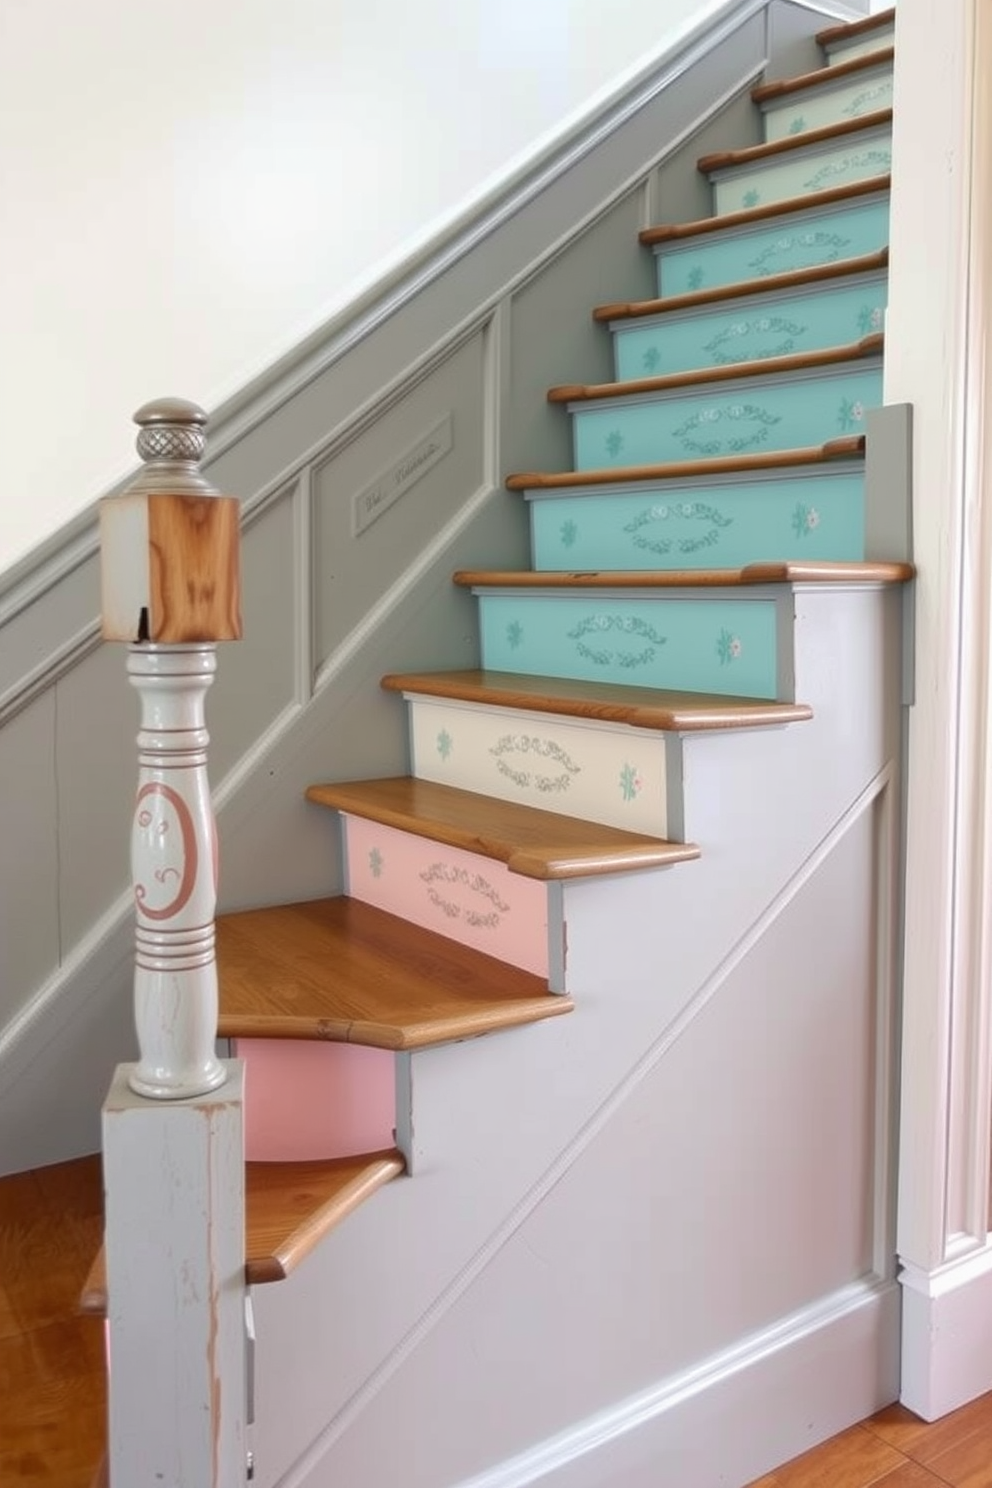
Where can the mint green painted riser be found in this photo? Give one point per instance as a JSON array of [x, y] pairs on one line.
[[875, 41], [817, 235], [812, 108], [702, 524], [803, 172], [743, 416], [702, 644], [751, 328]]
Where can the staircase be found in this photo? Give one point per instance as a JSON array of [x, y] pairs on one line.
[[665, 805]]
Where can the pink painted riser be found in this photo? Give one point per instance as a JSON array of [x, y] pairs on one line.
[[306, 1100], [475, 901]]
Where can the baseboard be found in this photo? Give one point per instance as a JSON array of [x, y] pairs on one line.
[[946, 1338], [740, 1414]]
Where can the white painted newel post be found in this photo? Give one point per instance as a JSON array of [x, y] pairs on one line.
[[173, 1137]]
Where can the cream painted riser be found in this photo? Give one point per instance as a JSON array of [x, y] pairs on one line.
[[719, 997]]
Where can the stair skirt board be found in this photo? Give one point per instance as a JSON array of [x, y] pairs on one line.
[[851, 158], [734, 647], [309, 1100], [830, 102], [615, 774], [860, 46], [797, 240], [465, 897], [775, 1395], [736, 417], [723, 521], [751, 329]]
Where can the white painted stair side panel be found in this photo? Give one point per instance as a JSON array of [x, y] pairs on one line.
[[640, 949], [464, 896], [770, 1072], [605, 773]]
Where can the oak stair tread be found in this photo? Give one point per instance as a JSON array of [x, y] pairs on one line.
[[775, 572], [821, 76], [793, 279], [603, 702], [342, 971], [534, 843], [725, 159], [849, 447], [802, 361], [674, 231], [848, 29], [289, 1208]]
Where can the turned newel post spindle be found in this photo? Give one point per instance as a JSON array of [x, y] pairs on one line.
[[170, 586]]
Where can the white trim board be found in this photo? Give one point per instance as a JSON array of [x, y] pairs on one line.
[[819, 1367], [947, 1340]]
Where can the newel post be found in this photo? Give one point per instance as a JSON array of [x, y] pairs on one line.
[[170, 582], [173, 1131]]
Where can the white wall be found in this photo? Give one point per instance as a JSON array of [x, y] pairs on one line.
[[187, 193]]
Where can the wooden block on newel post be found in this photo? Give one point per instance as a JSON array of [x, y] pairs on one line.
[[170, 553]]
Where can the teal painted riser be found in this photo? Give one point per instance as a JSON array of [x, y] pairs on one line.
[[798, 240], [813, 108], [725, 418], [750, 329], [701, 644], [802, 172], [702, 525]]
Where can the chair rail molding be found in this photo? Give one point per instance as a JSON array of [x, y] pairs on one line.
[[939, 320]]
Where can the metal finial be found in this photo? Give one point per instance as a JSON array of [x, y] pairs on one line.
[[171, 441]]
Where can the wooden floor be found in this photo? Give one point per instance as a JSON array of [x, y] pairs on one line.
[[52, 1398], [897, 1450]]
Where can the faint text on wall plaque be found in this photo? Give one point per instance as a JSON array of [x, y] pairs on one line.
[[379, 495]]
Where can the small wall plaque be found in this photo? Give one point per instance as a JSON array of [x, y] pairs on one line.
[[377, 497]]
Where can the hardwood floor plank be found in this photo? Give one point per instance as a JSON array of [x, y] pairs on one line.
[[854, 1459], [925, 1441]]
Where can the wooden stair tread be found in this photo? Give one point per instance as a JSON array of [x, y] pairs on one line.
[[605, 702], [534, 843], [783, 87], [675, 231], [339, 970], [848, 29], [700, 376], [794, 279], [850, 447], [725, 159], [289, 1208], [775, 572]]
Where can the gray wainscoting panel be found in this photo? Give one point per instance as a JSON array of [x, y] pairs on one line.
[[256, 676], [681, 192], [97, 720], [375, 472], [29, 889], [554, 338], [45, 626]]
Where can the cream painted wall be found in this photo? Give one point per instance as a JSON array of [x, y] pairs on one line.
[[187, 193]]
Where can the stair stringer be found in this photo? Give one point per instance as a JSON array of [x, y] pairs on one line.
[[442, 1379]]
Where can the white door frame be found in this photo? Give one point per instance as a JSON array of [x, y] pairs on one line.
[[937, 329]]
